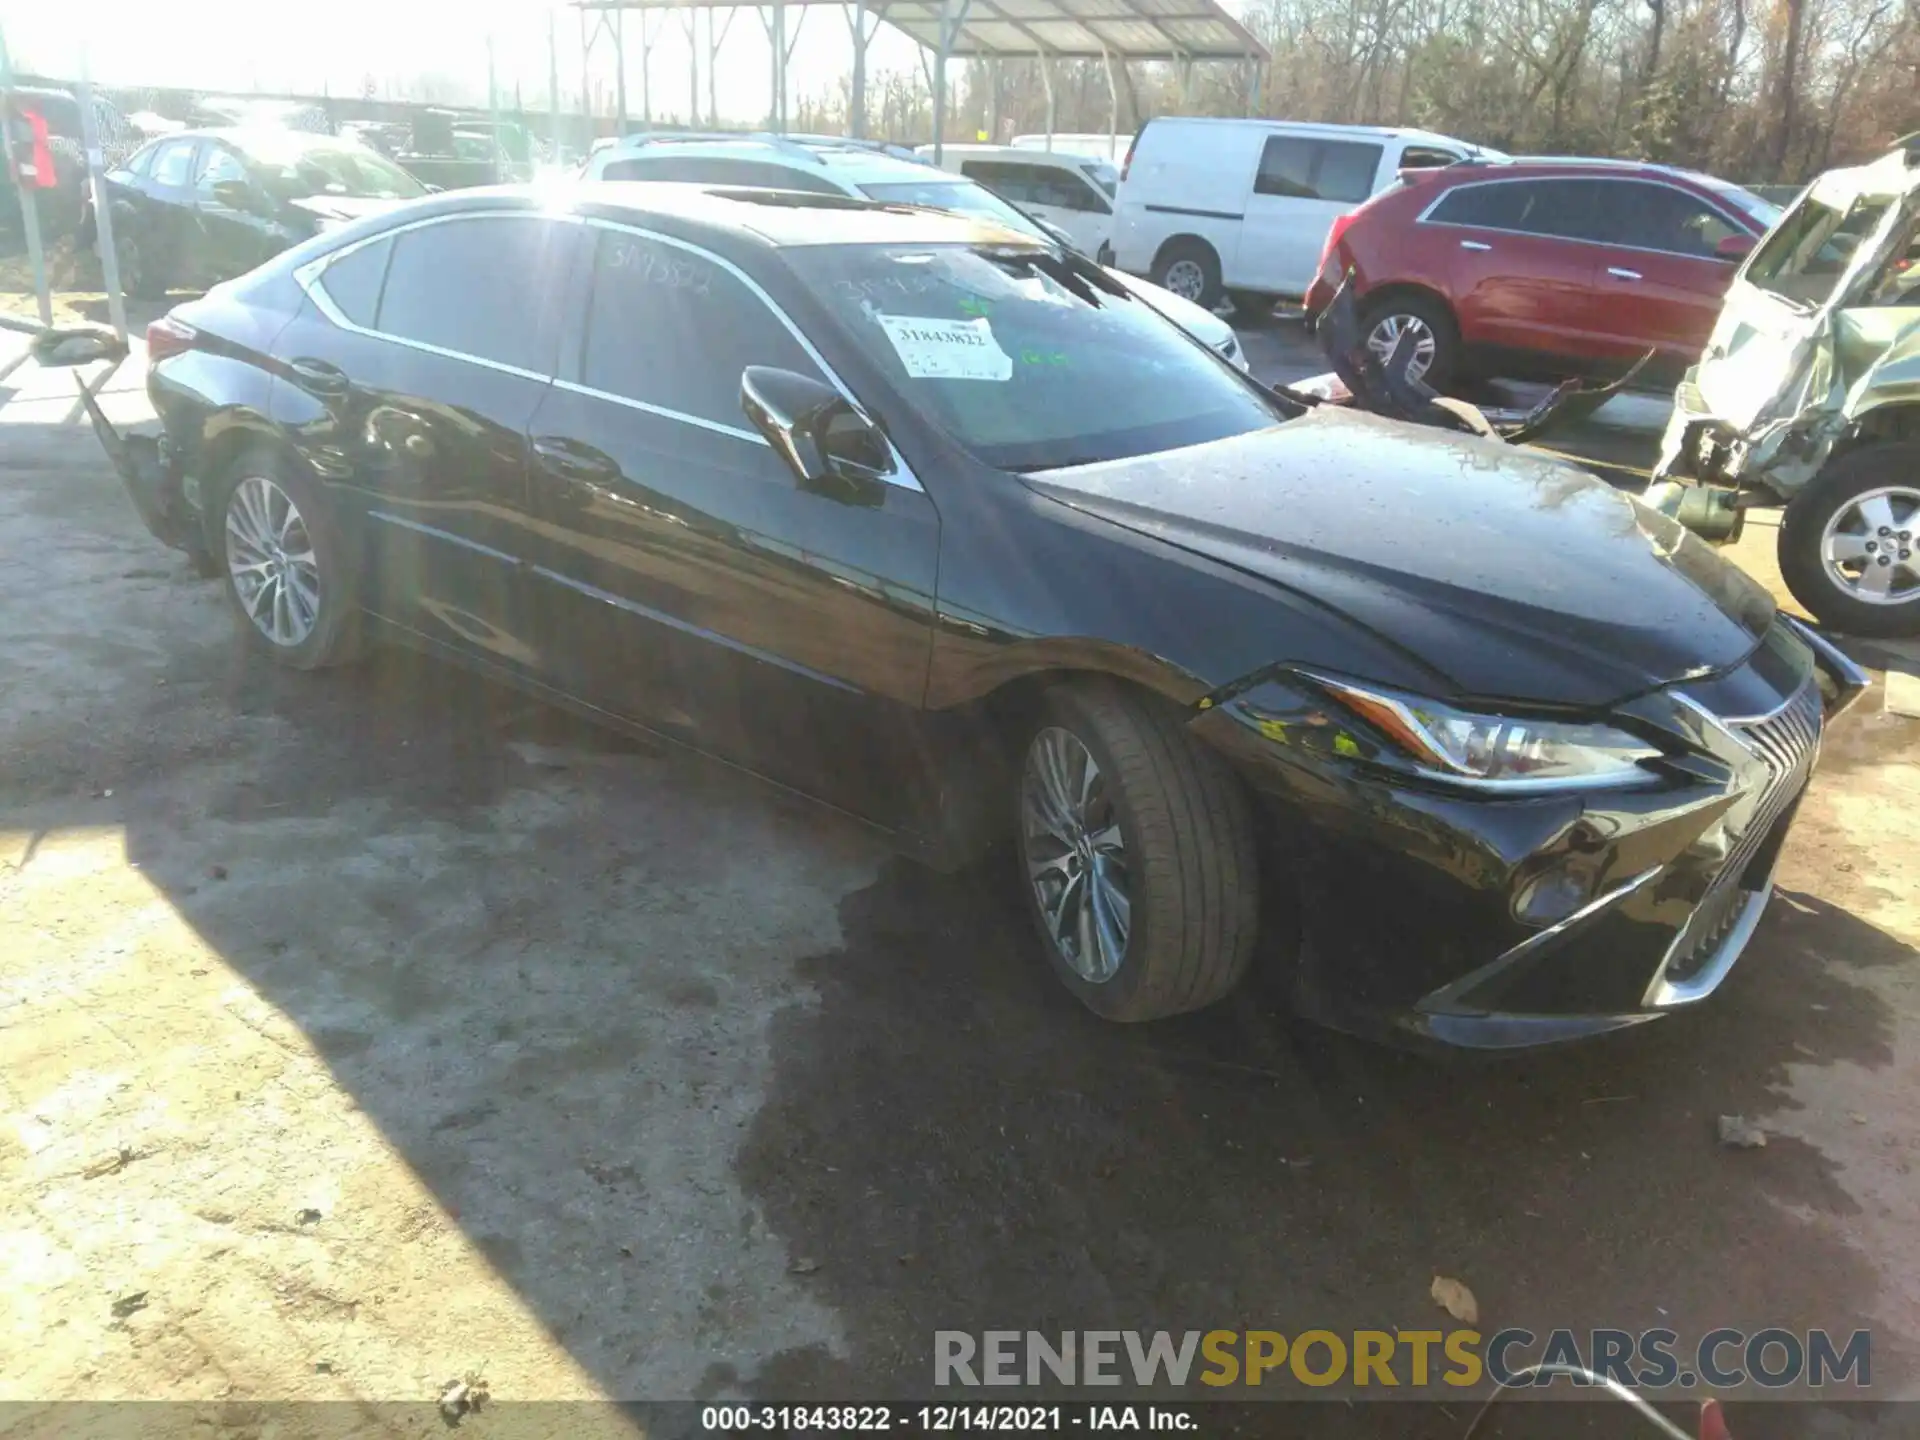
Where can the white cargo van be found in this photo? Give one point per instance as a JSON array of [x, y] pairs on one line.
[[1242, 207], [1074, 192], [1100, 147]]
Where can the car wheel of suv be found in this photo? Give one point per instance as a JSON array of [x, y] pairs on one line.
[[1137, 848], [1436, 340], [286, 566], [1191, 270], [1850, 542]]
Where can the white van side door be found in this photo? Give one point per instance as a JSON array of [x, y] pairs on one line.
[[1300, 184]]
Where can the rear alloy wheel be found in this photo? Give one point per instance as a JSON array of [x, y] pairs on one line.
[[140, 275], [275, 573], [1850, 542], [1191, 270], [1430, 329], [284, 566], [1137, 849]]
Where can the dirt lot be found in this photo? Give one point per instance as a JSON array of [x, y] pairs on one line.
[[362, 1030]]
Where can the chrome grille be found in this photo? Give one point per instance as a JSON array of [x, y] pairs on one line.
[[1788, 741]]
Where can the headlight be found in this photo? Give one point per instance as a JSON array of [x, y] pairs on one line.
[[1501, 750]]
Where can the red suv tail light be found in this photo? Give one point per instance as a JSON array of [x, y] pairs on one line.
[[1132, 145], [1334, 232], [168, 336]]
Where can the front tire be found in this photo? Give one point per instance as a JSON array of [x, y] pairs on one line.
[[286, 565], [1137, 851], [1850, 542]]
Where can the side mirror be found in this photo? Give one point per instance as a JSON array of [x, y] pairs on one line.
[[235, 194], [1734, 247], [831, 448], [82, 345]]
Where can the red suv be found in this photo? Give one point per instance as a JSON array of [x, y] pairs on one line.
[[1550, 267]]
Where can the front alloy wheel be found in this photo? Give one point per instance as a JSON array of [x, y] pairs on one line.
[[1076, 856], [1850, 541], [1136, 843], [1868, 546], [270, 556]]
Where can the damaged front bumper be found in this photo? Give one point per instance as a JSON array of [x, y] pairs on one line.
[[1438, 917]]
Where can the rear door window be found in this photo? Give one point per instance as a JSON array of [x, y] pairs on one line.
[[1297, 167], [1564, 209], [485, 288], [670, 328], [1491, 207]]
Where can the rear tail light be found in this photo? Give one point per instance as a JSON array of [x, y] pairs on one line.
[[1127, 164], [168, 336], [1340, 225]]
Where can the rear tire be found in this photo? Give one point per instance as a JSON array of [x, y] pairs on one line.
[[1189, 268], [285, 563], [1866, 498], [1381, 320], [141, 275], [1154, 849]]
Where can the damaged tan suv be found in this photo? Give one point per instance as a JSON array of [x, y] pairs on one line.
[[1809, 395]]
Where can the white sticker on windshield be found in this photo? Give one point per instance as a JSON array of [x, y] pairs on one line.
[[947, 349]]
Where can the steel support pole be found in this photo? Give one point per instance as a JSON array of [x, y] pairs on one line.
[[693, 68], [553, 83], [493, 113], [646, 69], [29, 209], [952, 16], [857, 111], [102, 209], [1047, 83], [1113, 103]]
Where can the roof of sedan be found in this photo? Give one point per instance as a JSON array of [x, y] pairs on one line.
[[783, 217]]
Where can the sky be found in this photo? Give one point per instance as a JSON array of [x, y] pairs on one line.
[[334, 46]]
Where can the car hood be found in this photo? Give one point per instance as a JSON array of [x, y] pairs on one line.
[[341, 208], [1513, 576]]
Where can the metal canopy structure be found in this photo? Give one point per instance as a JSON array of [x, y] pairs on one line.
[[1179, 31], [1078, 29]]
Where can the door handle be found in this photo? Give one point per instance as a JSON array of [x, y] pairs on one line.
[[320, 377], [1619, 274], [1474, 245], [572, 460]]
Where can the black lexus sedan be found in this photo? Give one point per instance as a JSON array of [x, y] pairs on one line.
[[944, 527], [200, 206]]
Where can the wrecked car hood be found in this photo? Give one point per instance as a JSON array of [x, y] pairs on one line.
[[1516, 576]]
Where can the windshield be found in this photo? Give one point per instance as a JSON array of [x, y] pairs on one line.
[[1028, 358], [294, 171], [962, 197], [1103, 175], [1805, 256]]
